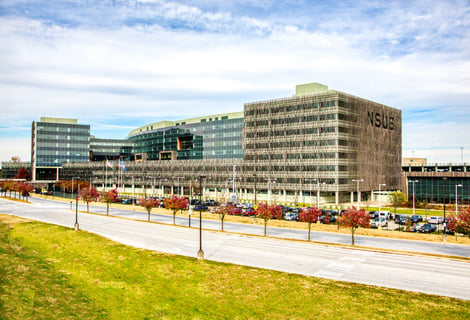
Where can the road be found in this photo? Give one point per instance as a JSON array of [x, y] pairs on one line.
[[296, 234], [408, 272]]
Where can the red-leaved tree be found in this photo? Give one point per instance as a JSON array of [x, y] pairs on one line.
[[222, 211], [175, 204], [23, 173], [109, 197], [461, 223], [353, 219], [267, 212], [89, 195], [149, 204], [26, 189], [310, 216]]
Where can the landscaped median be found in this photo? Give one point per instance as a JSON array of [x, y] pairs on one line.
[[383, 233], [52, 272]]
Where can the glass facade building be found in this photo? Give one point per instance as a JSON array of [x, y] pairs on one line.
[[210, 137], [111, 149], [56, 141]]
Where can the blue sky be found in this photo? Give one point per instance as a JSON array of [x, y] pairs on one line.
[[117, 65]]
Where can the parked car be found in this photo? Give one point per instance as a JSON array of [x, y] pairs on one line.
[[249, 212], [385, 215], [291, 216], [129, 201], [416, 218], [236, 211], [427, 228], [401, 219], [322, 219], [435, 220], [373, 214], [200, 208], [378, 222]]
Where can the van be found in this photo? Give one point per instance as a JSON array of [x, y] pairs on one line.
[[385, 215]]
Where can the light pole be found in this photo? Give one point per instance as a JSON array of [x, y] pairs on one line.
[[270, 181], [318, 192], [76, 226], [310, 189], [255, 178], [380, 186], [457, 198], [358, 193], [414, 182], [200, 253], [444, 222]]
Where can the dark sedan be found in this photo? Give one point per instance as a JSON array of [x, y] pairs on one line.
[[427, 228], [416, 218]]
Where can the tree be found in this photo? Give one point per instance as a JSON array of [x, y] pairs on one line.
[[89, 194], [25, 189], [353, 219], [310, 216], [175, 204], [396, 199], [461, 223], [22, 173], [109, 197], [7, 185], [266, 213], [222, 211], [149, 204]]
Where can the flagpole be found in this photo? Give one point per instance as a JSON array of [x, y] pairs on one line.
[[106, 174]]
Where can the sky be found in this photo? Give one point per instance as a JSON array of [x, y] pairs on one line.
[[118, 65]]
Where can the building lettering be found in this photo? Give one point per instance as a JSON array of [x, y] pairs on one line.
[[381, 120]]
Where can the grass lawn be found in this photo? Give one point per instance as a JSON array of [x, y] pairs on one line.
[[52, 272]]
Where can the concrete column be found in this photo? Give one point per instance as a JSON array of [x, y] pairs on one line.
[[359, 196], [337, 197], [352, 197]]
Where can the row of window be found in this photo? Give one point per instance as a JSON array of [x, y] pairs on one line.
[[297, 156], [80, 133], [62, 141], [292, 108], [289, 144], [61, 149]]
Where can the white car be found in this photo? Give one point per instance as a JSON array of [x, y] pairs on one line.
[[378, 222], [435, 220]]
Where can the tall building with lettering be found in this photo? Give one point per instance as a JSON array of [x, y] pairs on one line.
[[330, 137], [317, 146]]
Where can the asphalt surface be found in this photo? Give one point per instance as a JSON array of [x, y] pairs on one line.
[[296, 234], [408, 272]]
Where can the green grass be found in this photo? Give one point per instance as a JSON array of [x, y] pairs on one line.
[[51, 272], [422, 212]]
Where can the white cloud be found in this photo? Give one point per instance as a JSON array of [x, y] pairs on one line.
[[410, 56]]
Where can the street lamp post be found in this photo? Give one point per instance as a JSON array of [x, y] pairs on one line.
[[310, 190], [380, 185], [318, 192], [358, 193], [270, 181], [255, 178], [200, 253], [414, 182], [457, 198], [76, 226], [444, 222]]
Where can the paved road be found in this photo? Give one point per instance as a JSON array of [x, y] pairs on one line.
[[414, 273], [297, 234]]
